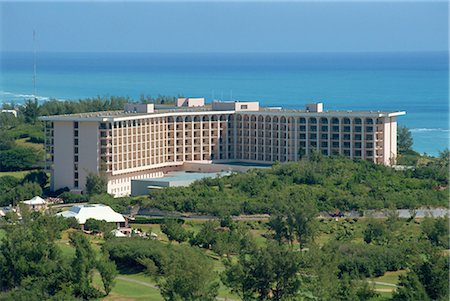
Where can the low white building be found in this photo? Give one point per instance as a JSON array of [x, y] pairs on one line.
[[96, 211]]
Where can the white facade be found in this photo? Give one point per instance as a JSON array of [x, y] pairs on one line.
[[130, 145]]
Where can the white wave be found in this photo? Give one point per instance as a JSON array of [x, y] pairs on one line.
[[419, 130], [6, 96]]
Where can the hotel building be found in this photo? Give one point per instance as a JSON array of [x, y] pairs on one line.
[[146, 140]]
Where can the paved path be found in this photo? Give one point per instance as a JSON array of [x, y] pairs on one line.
[[138, 282], [382, 283]]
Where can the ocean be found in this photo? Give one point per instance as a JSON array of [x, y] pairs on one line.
[[417, 83]]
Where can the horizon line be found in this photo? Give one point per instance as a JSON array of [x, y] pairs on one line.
[[234, 52]]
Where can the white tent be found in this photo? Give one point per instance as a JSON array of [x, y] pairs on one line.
[[37, 200], [117, 233]]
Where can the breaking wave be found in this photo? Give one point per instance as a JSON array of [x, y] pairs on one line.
[[419, 130], [6, 97]]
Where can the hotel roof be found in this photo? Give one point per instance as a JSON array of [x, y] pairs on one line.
[[171, 110]]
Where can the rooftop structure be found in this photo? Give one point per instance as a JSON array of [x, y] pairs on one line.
[[146, 141], [190, 102], [96, 211], [171, 179]]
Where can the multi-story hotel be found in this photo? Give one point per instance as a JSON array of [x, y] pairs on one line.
[[144, 140]]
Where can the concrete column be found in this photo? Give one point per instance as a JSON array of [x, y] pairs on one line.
[[307, 136], [329, 135], [363, 139], [351, 137]]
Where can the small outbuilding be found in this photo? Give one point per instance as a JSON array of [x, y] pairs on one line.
[[95, 211]]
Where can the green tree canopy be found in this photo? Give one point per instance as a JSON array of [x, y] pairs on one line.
[[189, 276], [404, 139], [95, 184]]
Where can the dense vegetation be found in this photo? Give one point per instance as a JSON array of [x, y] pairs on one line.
[[15, 190], [275, 270], [32, 266], [332, 182]]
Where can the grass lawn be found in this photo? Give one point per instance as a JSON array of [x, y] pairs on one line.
[[125, 290], [390, 277], [128, 290], [16, 174], [25, 143]]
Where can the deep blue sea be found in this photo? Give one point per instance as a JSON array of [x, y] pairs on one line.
[[415, 82]]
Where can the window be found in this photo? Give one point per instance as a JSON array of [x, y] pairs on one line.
[[244, 107], [76, 158], [75, 125], [75, 141], [75, 184], [75, 133], [76, 150], [76, 175]]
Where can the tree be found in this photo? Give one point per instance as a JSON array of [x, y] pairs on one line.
[[29, 252], [207, 235], [83, 265], [21, 193], [436, 230], [8, 121], [269, 273], [39, 177], [404, 139], [95, 225], [278, 224], [427, 280], [301, 219], [375, 232], [108, 272], [410, 289], [189, 276], [433, 274], [95, 184], [19, 158], [31, 110], [174, 230]]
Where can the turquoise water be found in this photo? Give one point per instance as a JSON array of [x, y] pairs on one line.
[[414, 82]]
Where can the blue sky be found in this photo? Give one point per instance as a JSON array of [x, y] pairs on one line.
[[213, 26]]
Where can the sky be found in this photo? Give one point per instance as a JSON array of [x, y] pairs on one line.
[[213, 26]]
